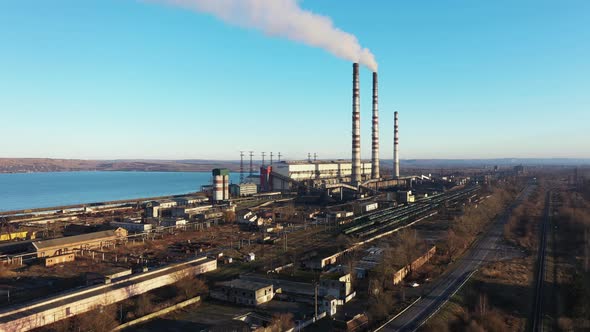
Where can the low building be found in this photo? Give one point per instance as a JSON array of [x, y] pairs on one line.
[[184, 211], [190, 200], [240, 291], [338, 286], [59, 259], [169, 222], [404, 196], [96, 240], [166, 203], [335, 216], [152, 210], [133, 227], [243, 189], [368, 207], [329, 305], [250, 257], [105, 277], [354, 323]]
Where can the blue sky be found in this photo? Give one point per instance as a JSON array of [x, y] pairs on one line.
[[135, 79]]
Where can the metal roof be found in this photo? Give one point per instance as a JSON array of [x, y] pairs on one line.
[[68, 240], [245, 284]]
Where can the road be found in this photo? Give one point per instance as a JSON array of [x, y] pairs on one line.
[[537, 322], [448, 284]]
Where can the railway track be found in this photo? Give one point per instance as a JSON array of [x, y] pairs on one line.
[[538, 313], [382, 220]]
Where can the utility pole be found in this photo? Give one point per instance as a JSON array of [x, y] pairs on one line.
[[279, 157], [263, 158], [251, 165], [285, 240], [271, 158], [315, 288], [315, 156], [309, 157], [241, 166]]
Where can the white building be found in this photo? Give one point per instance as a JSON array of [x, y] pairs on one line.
[[316, 170], [133, 227], [319, 172]]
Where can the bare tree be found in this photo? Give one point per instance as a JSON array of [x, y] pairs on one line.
[[282, 322]]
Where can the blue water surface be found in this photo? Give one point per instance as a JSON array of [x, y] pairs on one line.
[[39, 190]]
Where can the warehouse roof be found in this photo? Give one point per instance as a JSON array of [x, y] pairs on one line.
[[244, 284], [64, 241]]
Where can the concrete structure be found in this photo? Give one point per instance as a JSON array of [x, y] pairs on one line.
[[370, 206], [340, 287], [183, 211], [250, 257], [220, 184], [107, 276], [243, 292], [319, 173], [356, 127], [266, 180], [60, 259], [169, 222], [32, 315], [152, 210], [375, 137], [190, 200], [404, 271], [395, 147], [329, 305], [132, 227], [243, 189], [405, 196], [165, 203], [60, 246]]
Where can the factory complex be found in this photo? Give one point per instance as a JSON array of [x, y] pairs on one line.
[[298, 241]]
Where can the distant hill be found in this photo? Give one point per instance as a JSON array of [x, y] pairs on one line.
[[27, 165]]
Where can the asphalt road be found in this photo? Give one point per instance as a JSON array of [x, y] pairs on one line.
[[448, 284]]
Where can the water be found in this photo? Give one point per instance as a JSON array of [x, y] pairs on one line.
[[38, 190]]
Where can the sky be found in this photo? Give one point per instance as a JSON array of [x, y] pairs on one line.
[[123, 79]]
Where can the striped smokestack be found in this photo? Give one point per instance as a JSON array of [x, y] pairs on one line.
[[356, 127], [375, 144], [395, 148]]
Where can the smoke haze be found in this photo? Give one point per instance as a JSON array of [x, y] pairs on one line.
[[284, 18]]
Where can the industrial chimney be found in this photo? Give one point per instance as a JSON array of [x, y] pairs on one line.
[[356, 128], [375, 144], [395, 148]]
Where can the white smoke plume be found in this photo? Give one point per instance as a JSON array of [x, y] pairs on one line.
[[284, 18]]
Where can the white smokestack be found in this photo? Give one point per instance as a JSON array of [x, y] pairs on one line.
[[284, 18], [375, 137]]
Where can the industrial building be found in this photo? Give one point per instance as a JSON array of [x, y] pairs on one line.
[[243, 189], [316, 173], [96, 240], [133, 226], [241, 291]]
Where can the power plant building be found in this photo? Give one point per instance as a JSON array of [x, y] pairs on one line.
[[220, 184], [318, 172], [243, 189]]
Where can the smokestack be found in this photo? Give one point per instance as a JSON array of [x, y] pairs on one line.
[[395, 147], [375, 144], [356, 127]]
